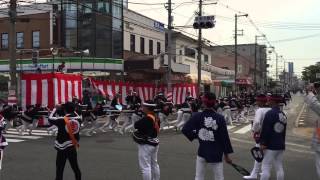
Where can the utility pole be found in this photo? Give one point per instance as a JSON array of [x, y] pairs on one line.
[[236, 49], [12, 48], [235, 52], [169, 51], [199, 49], [277, 67], [256, 61]]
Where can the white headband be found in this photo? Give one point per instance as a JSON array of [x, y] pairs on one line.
[[150, 105]]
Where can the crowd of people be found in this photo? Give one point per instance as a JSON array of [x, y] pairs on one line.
[[204, 118]]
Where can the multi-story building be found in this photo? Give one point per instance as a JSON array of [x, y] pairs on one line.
[[34, 29], [186, 53], [93, 25], [251, 71], [145, 56], [57, 24]]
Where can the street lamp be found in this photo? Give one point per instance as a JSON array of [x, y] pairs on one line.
[[84, 53], [54, 52]]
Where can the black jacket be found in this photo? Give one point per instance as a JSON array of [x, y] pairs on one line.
[[63, 140]]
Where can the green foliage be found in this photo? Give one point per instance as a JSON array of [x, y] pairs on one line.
[[309, 73]]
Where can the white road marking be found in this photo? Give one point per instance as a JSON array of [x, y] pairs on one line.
[[35, 130], [14, 140], [244, 129], [21, 137], [33, 133], [299, 116], [230, 127], [168, 127]]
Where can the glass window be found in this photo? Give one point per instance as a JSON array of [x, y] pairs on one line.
[[189, 52], [36, 39], [132, 43], [206, 58], [158, 47], [117, 16], [103, 7], [142, 45], [20, 42], [151, 47], [4, 40], [71, 16], [117, 37], [88, 8]]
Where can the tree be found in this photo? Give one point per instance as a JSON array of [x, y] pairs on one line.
[[309, 73]]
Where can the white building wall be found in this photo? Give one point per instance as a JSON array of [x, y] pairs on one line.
[[192, 62], [141, 26]]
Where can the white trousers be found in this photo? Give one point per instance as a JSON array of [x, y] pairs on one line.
[[163, 120], [134, 118], [148, 162], [272, 158], [217, 169], [26, 125], [318, 162], [179, 117], [227, 116], [184, 119]]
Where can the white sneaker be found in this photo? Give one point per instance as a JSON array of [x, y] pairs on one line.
[[250, 177]]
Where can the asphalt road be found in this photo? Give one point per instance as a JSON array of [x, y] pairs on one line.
[[111, 156]]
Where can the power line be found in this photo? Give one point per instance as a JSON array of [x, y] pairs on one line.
[[296, 38]]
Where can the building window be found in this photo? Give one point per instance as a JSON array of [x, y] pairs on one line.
[[142, 45], [4, 40], [132, 43], [103, 7], [180, 52], [36, 39], [158, 47], [87, 8], [206, 58], [20, 41], [151, 47], [190, 52]]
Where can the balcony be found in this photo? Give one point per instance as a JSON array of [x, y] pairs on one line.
[[177, 67], [217, 70]]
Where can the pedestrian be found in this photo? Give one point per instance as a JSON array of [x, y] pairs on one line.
[[272, 139], [28, 119], [184, 113], [261, 101], [3, 142], [67, 140], [147, 129], [210, 129], [312, 100]]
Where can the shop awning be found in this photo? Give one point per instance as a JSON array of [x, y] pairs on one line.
[[225, 83], [244, 81]]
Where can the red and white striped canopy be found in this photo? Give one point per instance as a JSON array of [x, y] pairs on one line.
[[145, 91], [50, 89]]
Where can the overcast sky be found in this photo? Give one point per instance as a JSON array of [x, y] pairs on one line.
[[278, 19]]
